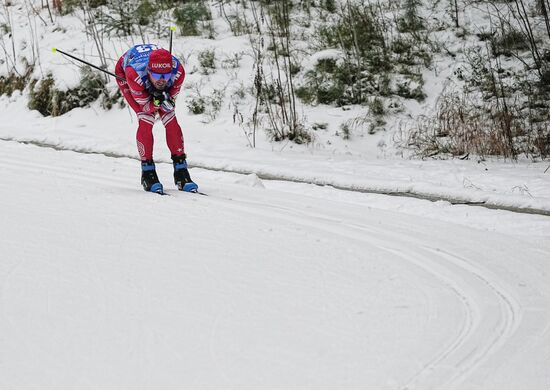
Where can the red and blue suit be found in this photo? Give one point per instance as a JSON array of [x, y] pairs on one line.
[[139, 92]]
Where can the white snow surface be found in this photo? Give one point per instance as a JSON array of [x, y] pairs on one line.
[[262, 284], [522, 184]]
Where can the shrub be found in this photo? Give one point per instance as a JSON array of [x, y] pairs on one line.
[[376, 107], [92, 85], [319, 126], [110, 100], [209, 105], [126, 17], [14, 82], [544, 81], [238, 93], [189, 14], [48, 100], [328, 5], [408, 89], [345, 131], [231, 62], [359, 34], [300, 136], [207, 60], [145, 13], [508, 42], [68, 6], [461, 127], [410, 22], [306, 94], [214, 103], [371, 55], [409, 52], [41, 98], [330, 82], [196, 105]]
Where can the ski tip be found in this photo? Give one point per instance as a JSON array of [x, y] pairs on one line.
[[157, 187], [54, 50], [190, 187]]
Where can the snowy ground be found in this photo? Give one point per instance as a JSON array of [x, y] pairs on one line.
[[261, 285], [365, 162], [522, 185]]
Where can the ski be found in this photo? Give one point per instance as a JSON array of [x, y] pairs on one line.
[[164, 193], [161, 192], [197, 192]]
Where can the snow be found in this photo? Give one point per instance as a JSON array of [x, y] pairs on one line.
[[522, 184], [328, 54], [261, 284], [294, 273]]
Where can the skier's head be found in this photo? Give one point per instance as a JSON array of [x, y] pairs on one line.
[[159, 68]]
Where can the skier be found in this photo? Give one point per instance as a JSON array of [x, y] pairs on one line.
[[153, 80]]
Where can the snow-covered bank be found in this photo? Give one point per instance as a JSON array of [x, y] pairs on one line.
[[364, 162], [522, 185]]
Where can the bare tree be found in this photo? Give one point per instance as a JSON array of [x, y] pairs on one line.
[[274, 91]]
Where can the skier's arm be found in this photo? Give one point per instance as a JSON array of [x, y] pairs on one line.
[[138, 91], [178, 81]]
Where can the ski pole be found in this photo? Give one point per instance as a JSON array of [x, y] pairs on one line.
[[172, 29], [87, 63]]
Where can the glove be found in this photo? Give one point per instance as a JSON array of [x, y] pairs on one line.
[[158, 98], [168, 105]]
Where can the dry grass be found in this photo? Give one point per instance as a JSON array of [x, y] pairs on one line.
[[460, 127]]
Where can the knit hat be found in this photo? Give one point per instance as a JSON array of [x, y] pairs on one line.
[[160, 61]]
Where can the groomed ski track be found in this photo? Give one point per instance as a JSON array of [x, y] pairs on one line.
[[105, 286], [433, 197]]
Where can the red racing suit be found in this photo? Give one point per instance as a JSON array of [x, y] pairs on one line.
[[137, 90]]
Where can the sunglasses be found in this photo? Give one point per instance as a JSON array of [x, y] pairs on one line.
[[159, 76]]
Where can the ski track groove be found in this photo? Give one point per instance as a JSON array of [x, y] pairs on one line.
[[471, 318], [62, 172], [510, 311], [509, 307]]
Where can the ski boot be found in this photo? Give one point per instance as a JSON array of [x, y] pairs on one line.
[[149, 178], [182, 179]]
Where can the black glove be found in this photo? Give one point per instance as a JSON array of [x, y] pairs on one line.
[[158, 98]]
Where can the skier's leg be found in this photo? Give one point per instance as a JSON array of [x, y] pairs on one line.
[[144, 136], [145, 142], [174, 139], [174, 135]]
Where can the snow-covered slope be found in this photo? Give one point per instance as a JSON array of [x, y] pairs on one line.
[[364, 162], [260, 285], [509, 184]]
